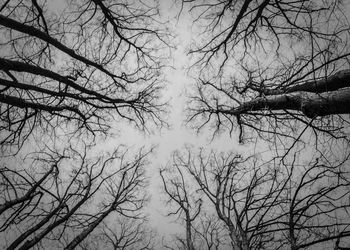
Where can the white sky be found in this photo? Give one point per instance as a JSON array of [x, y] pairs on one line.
[[175, 138], [178, 136]]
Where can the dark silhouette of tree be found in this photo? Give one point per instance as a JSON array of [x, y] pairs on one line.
[[272, 67], [121, 233], [211, 233], [62, 198], [129, 234], [231, 188], [183, 203], [273, 206], [78, 69], [202, 230], [277, 71], [73, 72]]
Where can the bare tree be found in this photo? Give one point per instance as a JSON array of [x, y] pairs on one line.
[[128, 233], [68, 72], [76, 67], [210, 232], [120, 233], [272, 68], [279, 71], [272, 206], [183, 202], [317, 213], [231, 189], [73, 195]]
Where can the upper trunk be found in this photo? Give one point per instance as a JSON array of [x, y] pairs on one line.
[[311, 104], [189, 239], [73, 244], [336, 81]]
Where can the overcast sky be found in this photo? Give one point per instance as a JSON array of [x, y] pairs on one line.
[[178, 82]]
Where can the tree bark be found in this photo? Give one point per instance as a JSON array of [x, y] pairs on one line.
[[339, 80], [189, 239], [310, 104], [30, 243], [32, 230], [88, 230]]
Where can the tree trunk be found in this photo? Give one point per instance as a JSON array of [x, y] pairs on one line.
[[88, 230], [33, 229], [189, 240], [30, 243], [310, 104], [339, 80]]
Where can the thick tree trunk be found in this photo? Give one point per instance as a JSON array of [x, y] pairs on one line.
[[336, 81], [189, 239], [33, 229], [30, 243], [310, 104], [235, 241], [28, 196], [243, 238]]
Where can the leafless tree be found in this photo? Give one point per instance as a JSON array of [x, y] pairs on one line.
[[272, 68], [76, 67], [316, 208], [121, 233], [277, 71], [211, 233], [274, 206], [69, 70], [126, 233], [182, 201], [226, 182], [72, 195]]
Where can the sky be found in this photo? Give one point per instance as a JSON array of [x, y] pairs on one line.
[[178, 135], [178, 82]]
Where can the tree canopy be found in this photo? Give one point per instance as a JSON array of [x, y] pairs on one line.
[[270, 67], [273, 74], [79, 69]]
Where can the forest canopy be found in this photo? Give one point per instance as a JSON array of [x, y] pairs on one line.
[[81, 80]]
